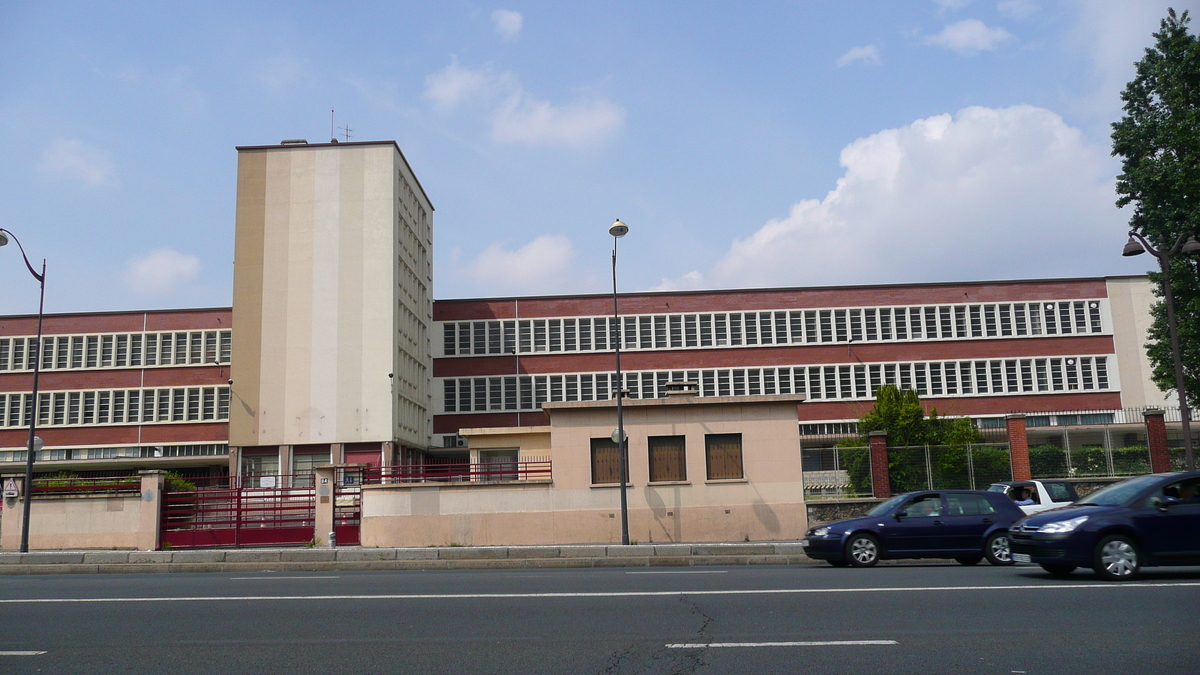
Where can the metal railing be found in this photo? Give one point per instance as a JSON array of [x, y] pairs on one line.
[[948, 467], [76, 485], [532, 469]]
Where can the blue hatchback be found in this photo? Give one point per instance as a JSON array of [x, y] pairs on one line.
[[965, 525], [1140, 522]]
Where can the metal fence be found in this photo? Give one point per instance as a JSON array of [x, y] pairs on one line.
[[948, 467], [1052, 461], [836, 473]]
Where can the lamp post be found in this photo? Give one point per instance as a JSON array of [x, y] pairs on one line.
[[618, 230], [37, 366], [1138, 245]]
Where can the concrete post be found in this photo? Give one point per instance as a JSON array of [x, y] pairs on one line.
[[1018, 446], [337, 453], [881, 485], [149, 536], [14, 512], [285, 466], [326, 500], [235, 468], [1156, 438]]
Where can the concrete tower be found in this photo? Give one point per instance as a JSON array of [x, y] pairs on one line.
[[332, 307]]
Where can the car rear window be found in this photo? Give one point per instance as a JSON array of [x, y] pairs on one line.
[[1060, 492], [968, 505]]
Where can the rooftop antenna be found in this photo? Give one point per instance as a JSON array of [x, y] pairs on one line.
[[332, 137], [346, 132]]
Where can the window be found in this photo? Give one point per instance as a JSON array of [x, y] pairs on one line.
[[968, 505], [667, 459], [723, 456], [606, 462], [925, 506]]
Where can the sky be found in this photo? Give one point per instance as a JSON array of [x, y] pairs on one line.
[[745, 144]]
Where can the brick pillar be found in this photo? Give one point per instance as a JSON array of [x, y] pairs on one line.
[[880, 482], [1156, 436], [1018, 446]]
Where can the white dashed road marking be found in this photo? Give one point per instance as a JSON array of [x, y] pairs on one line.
[[827, 643]]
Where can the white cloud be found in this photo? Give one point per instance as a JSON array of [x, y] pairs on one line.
[[985, 193], [969, 36], [517, 117], [282, 71], [541, 266], [868, 54], [454, 84], [1017, 9], [952, 4], [508, 23], [75, 159], [160, 271], [1114, 34], [522, 119], [687, 282]]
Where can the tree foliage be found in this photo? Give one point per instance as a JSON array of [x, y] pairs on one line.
[[1158, 140], [899, 412]]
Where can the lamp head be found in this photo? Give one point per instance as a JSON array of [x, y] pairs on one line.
[[1132, 248], [618, 229], [1191, 246], [38, 444], [3, 239]]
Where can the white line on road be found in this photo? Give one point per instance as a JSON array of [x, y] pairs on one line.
[[274, 578], [25, 653], [683, 572], [827, 643], [606, 594]]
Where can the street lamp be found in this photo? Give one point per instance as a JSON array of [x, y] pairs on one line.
[[618, 230], [1138, 245], [37, 366]]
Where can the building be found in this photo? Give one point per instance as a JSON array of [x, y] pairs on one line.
[[490, 416], [332, 307]]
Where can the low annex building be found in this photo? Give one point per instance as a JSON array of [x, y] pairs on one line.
[[700, 470]]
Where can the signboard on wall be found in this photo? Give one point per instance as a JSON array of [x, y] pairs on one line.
[[11, 489]]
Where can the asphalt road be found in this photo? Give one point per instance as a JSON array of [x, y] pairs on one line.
[[891, 619]]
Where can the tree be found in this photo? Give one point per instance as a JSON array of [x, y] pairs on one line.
[[1158, 140]]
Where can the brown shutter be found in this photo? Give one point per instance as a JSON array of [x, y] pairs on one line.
[[606, 462], [723, 455], [667, 458]]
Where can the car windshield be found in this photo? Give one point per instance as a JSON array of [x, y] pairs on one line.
[[997, 488], [886, 506], [1118, 494]]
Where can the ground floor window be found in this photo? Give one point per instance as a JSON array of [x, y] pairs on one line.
[[723, 456], [667, 458], [606, 462]]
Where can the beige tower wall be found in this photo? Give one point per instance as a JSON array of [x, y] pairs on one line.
[[328, 299], [1130, 299]]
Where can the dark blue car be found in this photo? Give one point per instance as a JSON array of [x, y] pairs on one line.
[[965, 525], [1141, 522]]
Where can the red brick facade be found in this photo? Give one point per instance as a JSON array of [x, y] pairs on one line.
[[881, 482], [1018, 447], [1156, 437]]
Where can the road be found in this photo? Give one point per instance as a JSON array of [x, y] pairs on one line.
[[934, 618]]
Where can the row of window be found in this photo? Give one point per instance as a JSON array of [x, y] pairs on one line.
[[120, 406], [120, 350], [667, 457], [145, 451], [833, 382], [811, 326]]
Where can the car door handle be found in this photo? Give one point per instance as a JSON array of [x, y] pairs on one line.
[[987, 521], [938, 522]]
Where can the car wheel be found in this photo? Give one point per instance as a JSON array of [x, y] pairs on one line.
[[969, 560], [838, 563], [862, 550], [997, 551], [1116, 559], [1059, 570]]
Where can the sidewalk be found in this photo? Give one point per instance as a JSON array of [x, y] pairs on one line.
[[433, 558]]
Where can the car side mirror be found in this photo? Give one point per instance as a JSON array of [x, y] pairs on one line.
[[901, 513]]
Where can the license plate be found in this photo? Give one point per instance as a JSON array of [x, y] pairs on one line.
[[1021, 557], [804, 543]]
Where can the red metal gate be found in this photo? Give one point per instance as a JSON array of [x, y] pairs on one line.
[[347, 506], [239, 511]]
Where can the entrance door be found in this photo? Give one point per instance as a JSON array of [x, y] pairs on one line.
[[347, 507]]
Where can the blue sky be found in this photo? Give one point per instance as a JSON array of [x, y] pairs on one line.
[[746, 144]]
